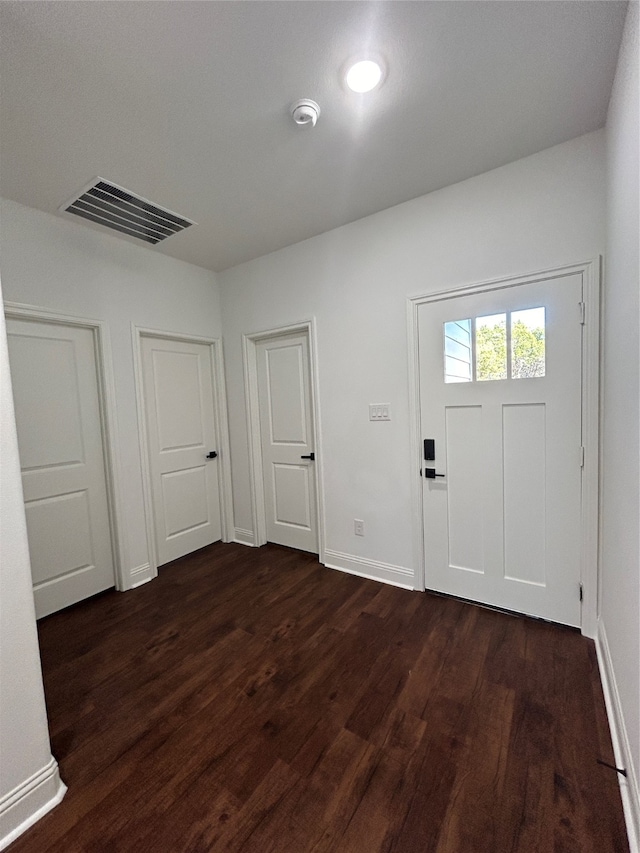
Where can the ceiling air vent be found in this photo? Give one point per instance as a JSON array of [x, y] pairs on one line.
[[114, 207]]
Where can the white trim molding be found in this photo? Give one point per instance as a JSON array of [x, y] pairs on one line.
[[221, 420], [141, 574], [629, 791], [29, 801], [590, 544], [245, 537], [371, 569], [108, 409], [590, 274], [249, 343]]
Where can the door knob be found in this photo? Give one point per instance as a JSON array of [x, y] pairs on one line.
[[430, 474], [212, 454], [311, 456]]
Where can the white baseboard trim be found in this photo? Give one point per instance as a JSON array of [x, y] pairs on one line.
[[141, 574], [620, 740], [371, 569], [29, 801], [245, 537]]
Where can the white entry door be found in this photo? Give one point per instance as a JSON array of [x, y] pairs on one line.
[[55, 388], [286, 428], [182, 443], [500, 391]]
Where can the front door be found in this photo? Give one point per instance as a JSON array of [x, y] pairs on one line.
[[286, 430], [500, 401], [56, 392], [182, 444]]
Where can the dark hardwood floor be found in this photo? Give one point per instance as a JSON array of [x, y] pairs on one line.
[[251, 700]]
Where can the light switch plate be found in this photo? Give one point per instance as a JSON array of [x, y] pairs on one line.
[[379, 411]]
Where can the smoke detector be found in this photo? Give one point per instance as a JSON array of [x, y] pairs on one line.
[[305, 113]]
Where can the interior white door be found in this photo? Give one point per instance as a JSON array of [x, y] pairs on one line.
[[500, 392], [181, 435], [286, 428], [55, 388]]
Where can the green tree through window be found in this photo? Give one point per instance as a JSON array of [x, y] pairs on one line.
[[491, 349], [527, 343], [527, 350]]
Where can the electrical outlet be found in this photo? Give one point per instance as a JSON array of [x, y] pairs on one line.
[[358, 526], [379, 411]]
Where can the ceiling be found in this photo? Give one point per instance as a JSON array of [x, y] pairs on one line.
[[187, 104]]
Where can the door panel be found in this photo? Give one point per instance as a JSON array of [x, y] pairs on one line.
[[45, 519], [55, 386], [500, 394], [185, 501], [181, 431], [525, 505], [46, 382], [286, 435], [462, 425], [179, 399], [286, 393], [291, 495]]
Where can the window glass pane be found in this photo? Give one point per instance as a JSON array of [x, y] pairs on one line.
[[457, 351], [527, 343], [491, 347]]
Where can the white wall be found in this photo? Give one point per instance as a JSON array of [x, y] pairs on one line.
[[29, 781], [53, 263], [620, 504], [540, 212]]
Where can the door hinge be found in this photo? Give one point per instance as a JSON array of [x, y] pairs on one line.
[[583, 312], [581, 593], [582, 456]]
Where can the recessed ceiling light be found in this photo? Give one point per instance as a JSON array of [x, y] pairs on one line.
[[364, 76]]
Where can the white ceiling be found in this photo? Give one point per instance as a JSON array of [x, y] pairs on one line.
[[186, 103]]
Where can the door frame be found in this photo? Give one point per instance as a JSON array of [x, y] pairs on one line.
[[590, 271], [221, 420], [256, 477], [107, 406]]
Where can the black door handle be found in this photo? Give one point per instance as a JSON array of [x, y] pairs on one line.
[[311, 456], [212, 454], [430, 474]]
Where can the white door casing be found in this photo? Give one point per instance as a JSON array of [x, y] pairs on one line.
[[287, 436], [56, 385], [480, 516], [181, 431]]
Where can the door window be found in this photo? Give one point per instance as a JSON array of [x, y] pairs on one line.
[[458, 358], [491, 347], [527, 343], [495, 346]]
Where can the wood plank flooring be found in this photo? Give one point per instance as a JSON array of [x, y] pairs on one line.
[[252, 701]]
